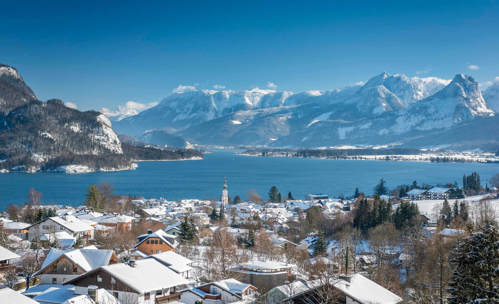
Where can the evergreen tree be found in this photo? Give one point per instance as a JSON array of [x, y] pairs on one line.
[[279, 197], [214, 215], [274, 195], [222, 212], [251, 238], [361, 216], [455, 210], [475, 262], [380, 188], [290, 196], [446, 213], [93, 197], [187, 231], [406, 215], [356, 193], [237, 200], [320, 245], [463, 211]]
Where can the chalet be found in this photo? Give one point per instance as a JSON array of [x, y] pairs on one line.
[[145, 281], [224, 291], [72, 225], [6, 257], [119, 223], [417, 194], [18, 229], [176, 262], [63, 265], [349, 289], [437, 193], [155, 242], [67, 294]]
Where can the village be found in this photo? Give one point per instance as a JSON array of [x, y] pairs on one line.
[[281, 250]]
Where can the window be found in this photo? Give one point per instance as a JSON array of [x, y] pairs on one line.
[[99, 278], [151, 251], [75, 268], [113, 281], [157, 251], [147, 242], [146, 296], [54, 281], [159, 292]]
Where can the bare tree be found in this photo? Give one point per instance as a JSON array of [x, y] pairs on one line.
[[29, 265]]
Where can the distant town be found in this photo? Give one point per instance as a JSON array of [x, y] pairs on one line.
[[396, 246]]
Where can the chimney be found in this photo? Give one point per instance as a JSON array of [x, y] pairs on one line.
[[92, 293], [131, 263], [149, 231]]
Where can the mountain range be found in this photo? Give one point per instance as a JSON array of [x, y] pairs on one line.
[[47, 136], [385, 110]]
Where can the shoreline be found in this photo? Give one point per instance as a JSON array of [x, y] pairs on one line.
[[426, 158]]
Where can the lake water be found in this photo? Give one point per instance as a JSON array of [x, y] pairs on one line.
[[204, 178]]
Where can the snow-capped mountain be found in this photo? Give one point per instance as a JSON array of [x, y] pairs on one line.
[[491, 95], [385, 109], [13, 91]]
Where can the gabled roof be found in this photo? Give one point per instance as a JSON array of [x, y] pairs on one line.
[[439, 190], [72, 223], [85, 258], [161, 234], [8, 295], [174, 261], [233, 286], [6, 254], [366, 291], [147, 275], [416, 191]]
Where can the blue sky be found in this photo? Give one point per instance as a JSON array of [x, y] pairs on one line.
[[104, 54]]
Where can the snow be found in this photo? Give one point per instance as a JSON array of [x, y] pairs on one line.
[[147, 275], [173, 260], [8, 295], [236, 122], [105, 135], [6, 254], [366, 291]]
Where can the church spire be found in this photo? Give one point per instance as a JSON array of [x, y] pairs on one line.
[[225, 193]]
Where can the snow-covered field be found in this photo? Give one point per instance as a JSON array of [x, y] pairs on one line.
[[431, 208]]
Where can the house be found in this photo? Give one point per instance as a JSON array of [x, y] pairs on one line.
[[121, 223], [437, 193], [264, 275], [67, 294], [175, 262], [144, 281], [18, 229], [355, 289], [224, 291], [61, 239], [155, 242], [6, 257], [63, 265], [173, 229], [72, 225], [417, 194], [8, 295]]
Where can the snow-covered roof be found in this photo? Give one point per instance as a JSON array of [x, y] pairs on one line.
[[174, 260], [265, 266], [161, 234], [15, 225], [86, 258], [451, 232], [8, 295], [147, 275], [114, 219], [6, 254], [65, 294], [366, 291], [72, 223], [233, 285], [438, 190], [416, 191]]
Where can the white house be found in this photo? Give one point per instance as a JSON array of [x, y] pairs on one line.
[[72, 225], [223, 291]]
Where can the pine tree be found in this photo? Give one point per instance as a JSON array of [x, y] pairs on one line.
[[93, 197], [214, 215], [221, 216], [274, 195], [290, 196], [463, 211], [475, 262], [320, 245], [237, 200], [187, 231], [380, 188], [356, 193], [446, 212], [455, 210]]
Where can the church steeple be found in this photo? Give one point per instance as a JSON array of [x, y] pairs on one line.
[[225, 193]]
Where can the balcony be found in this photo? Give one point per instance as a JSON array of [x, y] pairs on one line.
[[168, 298]]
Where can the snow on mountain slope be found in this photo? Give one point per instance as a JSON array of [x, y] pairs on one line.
[[491, 95]]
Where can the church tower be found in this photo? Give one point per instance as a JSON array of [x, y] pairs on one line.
[[225, 193]]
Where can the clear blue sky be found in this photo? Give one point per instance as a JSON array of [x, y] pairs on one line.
[[103, 54]]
